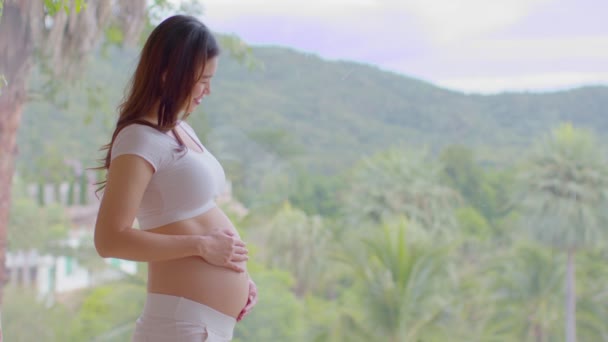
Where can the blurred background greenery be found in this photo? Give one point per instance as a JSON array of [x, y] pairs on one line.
[[375, 206]]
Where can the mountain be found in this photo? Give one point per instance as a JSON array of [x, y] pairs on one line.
[[343, 109], [324, 114]]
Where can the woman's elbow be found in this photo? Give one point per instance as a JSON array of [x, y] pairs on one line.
[[102, 245], [102, 249]]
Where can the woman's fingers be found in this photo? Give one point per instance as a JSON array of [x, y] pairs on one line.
[[233, 266], [240, 250], [239, 254], [239, 258]]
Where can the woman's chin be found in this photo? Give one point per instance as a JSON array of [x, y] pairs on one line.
[[193, 106]]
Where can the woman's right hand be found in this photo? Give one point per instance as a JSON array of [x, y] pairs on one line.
[[222, 248]]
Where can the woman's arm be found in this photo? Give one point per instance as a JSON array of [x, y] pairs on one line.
[[128, 177]]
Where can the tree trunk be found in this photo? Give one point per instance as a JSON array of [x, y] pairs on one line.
[[538, 332], [27, 274], [570, 299], [15, 64]]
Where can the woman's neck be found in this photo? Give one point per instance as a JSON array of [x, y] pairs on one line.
[[152, 117]]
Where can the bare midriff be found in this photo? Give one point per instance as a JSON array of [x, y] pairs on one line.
[[193, 278]]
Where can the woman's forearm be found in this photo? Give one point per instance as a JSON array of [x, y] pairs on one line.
[[138, 245]]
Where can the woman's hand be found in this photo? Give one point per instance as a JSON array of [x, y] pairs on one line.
[[223, 248], [252, 300]]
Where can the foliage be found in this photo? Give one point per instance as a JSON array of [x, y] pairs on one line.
[[358, 111], [25, 318], [528, 284], [316, 194], [287, 144], [106, 309], [277, 316], [54, 6], [298, 244], [397, 182], [32, 226], [101, 311], [474, 314], [472, 223], [485, 190], [564, 190], [592, 297], [400, 279], [563, 198]]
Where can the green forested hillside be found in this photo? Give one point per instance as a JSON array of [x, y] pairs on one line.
[[342, 109], [408, 244], [327, 113]]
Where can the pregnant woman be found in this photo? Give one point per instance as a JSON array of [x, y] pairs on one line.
[[159, 172]]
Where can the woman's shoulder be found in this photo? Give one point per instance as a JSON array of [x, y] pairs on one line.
[[140, 129], [144, 133], [144, 141], [143, 137], [184, 124]]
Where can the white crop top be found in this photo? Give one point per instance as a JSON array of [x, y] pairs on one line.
[[185, 183]]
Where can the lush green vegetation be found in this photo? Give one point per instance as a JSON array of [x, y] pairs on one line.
[[329, 114], [383, 208]]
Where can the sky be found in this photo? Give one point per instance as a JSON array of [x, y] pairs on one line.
[[474, 46]]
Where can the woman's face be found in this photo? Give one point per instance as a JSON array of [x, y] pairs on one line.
[[202, 87]]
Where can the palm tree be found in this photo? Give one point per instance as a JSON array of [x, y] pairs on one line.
[[563, 197], [398, 278], [297, 243], [527, 283], [474, 314], [396, 182], [592, 303]]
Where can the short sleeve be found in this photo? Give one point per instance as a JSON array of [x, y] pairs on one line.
[[145, 142]]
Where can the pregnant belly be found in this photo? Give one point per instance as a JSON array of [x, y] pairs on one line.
[[219, 288]]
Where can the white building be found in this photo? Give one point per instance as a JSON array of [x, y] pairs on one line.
[[53, 275]]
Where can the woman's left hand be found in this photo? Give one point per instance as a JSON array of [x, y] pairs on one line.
[[252, 300]]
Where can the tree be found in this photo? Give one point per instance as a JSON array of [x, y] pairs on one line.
[[473, 314], [462, 171], [400, 277], [592, 303], [315, 194], [396, 182], [484, 189], [526, 284], [297, 243], [32, 226], [58, 34], [472, 223], [261, 174], [563, 197], [278, 314], [21, 309], [108, 310]]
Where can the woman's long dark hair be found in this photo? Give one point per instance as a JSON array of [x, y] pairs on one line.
[[170, 64]]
